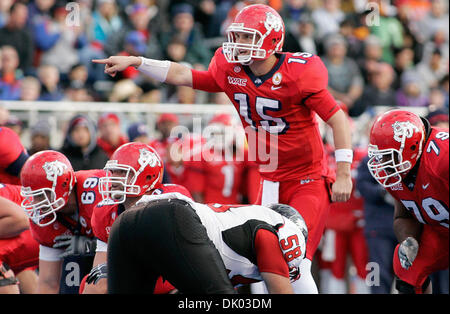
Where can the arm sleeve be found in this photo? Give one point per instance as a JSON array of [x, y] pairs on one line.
[[268, 254], [313, 85], [206, 80]]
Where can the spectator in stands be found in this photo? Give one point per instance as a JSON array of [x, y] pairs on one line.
[[371, 57], [80, 144], [14, 33], [328, 18], [410, 94], [344, 77], [138, 132], [432, 71], [378, 230], [49, 77], [30, 88], [378, 92], [62, 52], [435, 20], [436, 100], [9, 74], [184, 27], [404, 61], [390, 32], [143, 19], [300, 35], [105, 21], [40, 137], [4, 114], [110, 136]]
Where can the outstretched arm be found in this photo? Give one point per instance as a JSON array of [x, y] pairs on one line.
[[163, 71]]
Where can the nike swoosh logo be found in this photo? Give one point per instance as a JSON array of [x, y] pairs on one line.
[[425, 186], [275, 87]]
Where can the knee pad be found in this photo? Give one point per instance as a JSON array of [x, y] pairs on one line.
[[6, 279]]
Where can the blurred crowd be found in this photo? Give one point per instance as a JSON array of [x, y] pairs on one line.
[[378, 52]]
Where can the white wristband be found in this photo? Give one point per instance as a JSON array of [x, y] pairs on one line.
[[154, 68], [343, 155]]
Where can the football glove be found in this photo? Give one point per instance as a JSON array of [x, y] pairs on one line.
[[74, 245], [407, 252], [98, 272]]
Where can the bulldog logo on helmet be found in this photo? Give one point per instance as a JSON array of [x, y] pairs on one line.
[[53, 169], [403, 129], [148, 158], [273, 22]]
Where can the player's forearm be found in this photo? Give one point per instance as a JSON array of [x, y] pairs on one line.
[[12, 226], [405, 225], [165, 71]]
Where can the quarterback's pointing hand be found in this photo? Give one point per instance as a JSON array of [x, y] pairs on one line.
[[116, 64]]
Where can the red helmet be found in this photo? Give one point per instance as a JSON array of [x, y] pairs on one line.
[[47, 179], [142, 171], [265, 26], [395, 145]]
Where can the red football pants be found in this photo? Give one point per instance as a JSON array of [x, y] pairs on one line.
[[20, 252], [312, 201]]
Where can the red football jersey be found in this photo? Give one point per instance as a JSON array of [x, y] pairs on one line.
[[426, 193], [11, 192], [278, 111], [104, 215], [88, 196], [231, 178], [12, 156]]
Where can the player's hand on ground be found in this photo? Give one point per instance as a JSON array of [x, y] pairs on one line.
[[116, 64], [407, 252], [341, 189]]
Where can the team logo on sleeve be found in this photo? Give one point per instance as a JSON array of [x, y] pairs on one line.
[[403, 130], [53, 169]]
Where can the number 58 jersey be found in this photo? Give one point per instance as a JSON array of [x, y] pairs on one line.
[[425, 190], [278, 111]]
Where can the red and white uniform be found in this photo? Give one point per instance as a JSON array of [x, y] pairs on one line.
[[86, 189], [12, 156], [425, 193], [232, 179], [278, 111], [250, 239], [22, 251], [105, 214]]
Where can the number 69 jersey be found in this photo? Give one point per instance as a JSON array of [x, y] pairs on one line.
[[278, 111], [425, 190], [86, 189]]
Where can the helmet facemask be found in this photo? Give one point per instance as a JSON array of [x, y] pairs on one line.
[[41, 205], [114, 187], [233, 50], [387, 166]]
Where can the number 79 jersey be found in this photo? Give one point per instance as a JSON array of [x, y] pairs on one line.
[[427, 198], [278, 111]]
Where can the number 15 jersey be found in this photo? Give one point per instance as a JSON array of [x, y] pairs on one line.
[[278, 111]]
